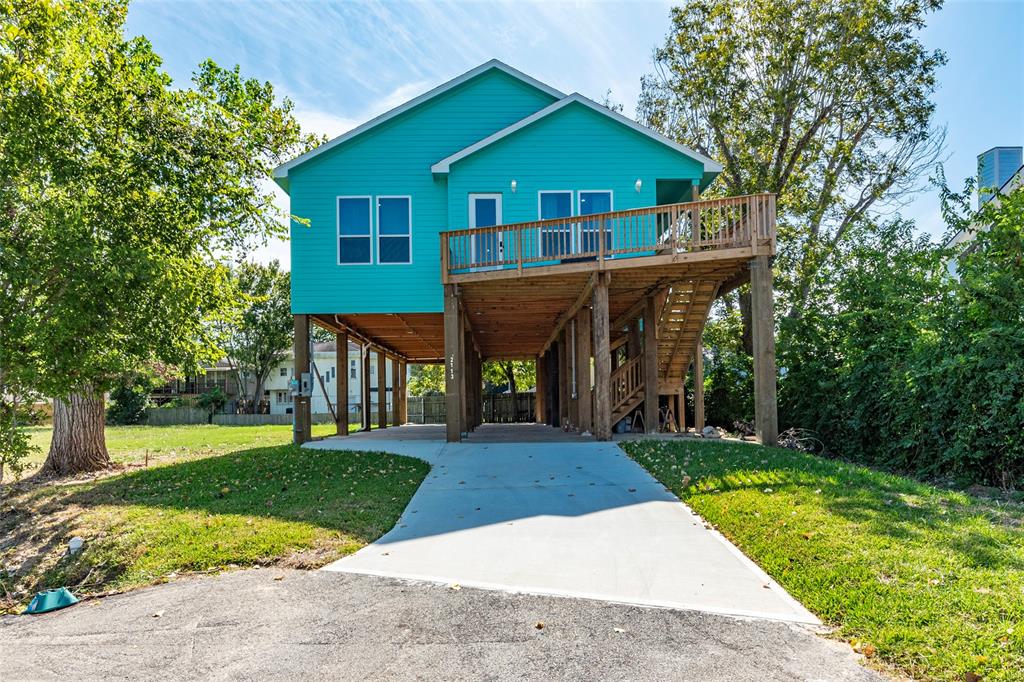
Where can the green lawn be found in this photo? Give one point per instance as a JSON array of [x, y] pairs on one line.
[[929, 583], [219, 497], [129, 444]]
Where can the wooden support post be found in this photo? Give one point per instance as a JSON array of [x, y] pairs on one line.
[[452, 364], [602, 361], [364, 386], [478, 390], [563, 381], [698, 387], [571, 377], [466, 348], [680, 410], [341, 382], [403, 394], [394, 393], [540, 392], [382, 390], [471, 383], [762, 304], [584, 406], [301, 417], [651, 365], [633, 340], [695, 217]]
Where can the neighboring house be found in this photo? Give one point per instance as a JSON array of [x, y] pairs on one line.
[[495, 217], [995, 168], [219, 376], [1000, 171], [278, 391]]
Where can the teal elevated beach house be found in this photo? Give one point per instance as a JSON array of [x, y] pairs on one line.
[[495, 217]]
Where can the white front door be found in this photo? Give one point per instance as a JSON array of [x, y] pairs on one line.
[[485, 211]]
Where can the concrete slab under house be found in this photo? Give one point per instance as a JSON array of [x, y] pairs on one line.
[[495, 217]]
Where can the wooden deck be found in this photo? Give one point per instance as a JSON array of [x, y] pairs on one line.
[[518, 296]]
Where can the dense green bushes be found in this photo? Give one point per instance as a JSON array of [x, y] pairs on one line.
[[899, 365], [129, 400]]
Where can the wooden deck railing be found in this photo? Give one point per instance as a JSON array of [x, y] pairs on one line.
[[672, 228], [626, 380]]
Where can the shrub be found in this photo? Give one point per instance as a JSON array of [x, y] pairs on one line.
[[128, 401], [897, 364]]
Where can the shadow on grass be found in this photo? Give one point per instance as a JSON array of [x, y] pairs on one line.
[[245, 507]]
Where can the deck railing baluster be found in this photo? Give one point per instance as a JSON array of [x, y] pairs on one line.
[[747, 221]]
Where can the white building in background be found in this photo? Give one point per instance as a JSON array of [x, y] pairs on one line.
[[278, 392], [997, 179]]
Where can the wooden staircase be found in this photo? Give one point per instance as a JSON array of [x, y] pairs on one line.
[[627, 388], [680, 326]]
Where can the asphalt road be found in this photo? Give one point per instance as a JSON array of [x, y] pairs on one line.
[[277, 624]]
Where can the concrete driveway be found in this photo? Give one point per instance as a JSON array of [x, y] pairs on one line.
[[576, 519]]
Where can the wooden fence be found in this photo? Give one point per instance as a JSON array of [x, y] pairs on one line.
[[167, 416], [497, 409], [259, 419]]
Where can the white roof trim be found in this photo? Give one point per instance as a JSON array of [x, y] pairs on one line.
[[282, 170], [443, 166]]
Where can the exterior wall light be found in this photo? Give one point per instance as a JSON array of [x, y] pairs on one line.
[[513, 187], [638, 184]]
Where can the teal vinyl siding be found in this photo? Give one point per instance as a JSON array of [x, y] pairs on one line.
[[575, 149], [394, 159]]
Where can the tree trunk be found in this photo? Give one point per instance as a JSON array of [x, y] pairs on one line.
[[257, 394], [78, 441], [510, 375]]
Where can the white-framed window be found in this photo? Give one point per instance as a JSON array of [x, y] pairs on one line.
[[354, 230], [352, 369], [284, 371], [394, 229], [556, 239], [593, 201]]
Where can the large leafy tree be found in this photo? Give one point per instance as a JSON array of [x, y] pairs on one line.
[[259, 338], [120, 196], [824, 102], [426, 380], [516, 374]]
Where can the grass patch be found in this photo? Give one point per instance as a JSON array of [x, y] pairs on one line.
[[131, 444], [928, 582], [204, 512]]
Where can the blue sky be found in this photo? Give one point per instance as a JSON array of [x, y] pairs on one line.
[[345, 62]]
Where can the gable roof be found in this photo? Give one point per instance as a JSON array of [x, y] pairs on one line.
[[281, 172], [444, 165]]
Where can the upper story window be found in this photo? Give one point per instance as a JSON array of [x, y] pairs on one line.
[[284, 371], [394, 229], [555, 239], [354, 230], [591, 202]]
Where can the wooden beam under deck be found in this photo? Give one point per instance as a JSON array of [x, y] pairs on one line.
[[520, 318]]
